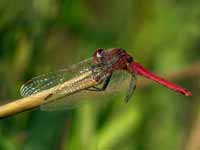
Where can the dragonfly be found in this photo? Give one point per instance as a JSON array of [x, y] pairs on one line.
[[109, 68]]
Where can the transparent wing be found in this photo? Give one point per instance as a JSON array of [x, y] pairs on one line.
[[119, 84], [131, 88], [49, 80]]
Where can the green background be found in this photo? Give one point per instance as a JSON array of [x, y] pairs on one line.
[[38, 36]]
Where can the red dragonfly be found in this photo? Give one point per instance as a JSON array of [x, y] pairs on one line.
[[105, 65]]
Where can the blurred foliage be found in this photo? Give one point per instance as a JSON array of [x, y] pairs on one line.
[[43, 35]]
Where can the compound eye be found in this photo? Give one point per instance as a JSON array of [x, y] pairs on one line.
[[99, 53]]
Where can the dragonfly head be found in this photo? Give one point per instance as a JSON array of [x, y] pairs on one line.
[[98, 55]]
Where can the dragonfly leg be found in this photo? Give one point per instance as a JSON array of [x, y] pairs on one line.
[[131, 88], [105, 84]]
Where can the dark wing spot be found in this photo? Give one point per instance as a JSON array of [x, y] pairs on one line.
[[48, 96]]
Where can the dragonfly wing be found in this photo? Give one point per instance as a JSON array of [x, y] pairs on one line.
[[49, 80], [66, 103], [118, 84], [131, 88], [42, 82]]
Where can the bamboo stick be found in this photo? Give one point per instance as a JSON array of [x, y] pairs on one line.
[[82, 82]]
